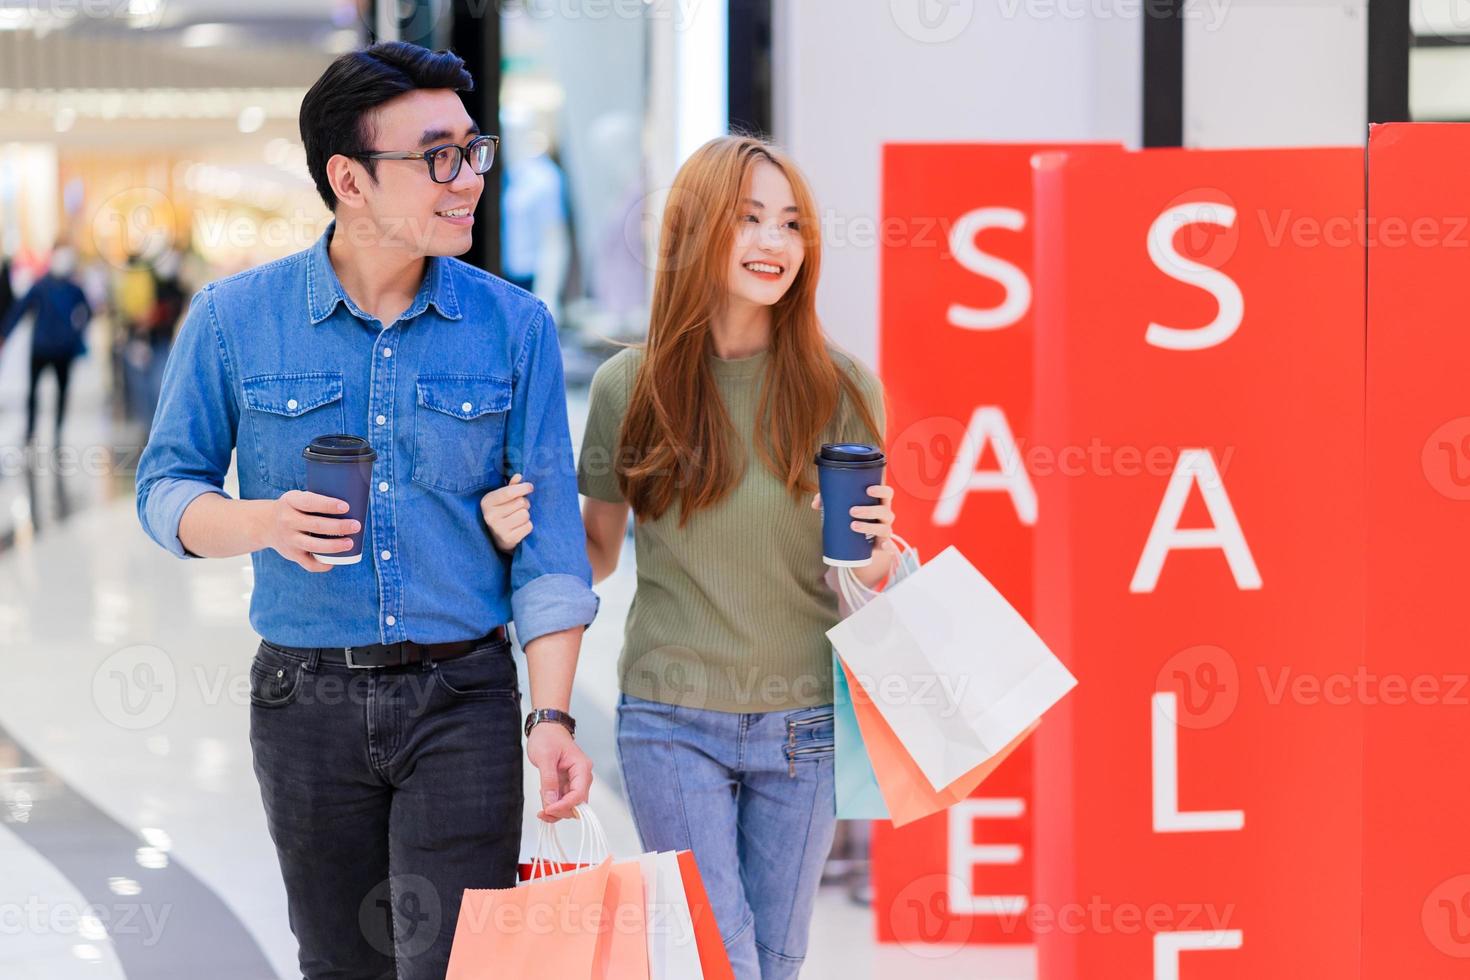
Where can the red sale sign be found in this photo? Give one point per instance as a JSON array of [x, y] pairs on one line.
[[1416, 688], [1199, 562], [955, 347]]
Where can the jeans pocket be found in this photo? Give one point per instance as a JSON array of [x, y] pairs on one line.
[[487, 673], [459, 431], [275, 678]]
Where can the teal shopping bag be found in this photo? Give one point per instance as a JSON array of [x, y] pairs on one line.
[[858, 797]]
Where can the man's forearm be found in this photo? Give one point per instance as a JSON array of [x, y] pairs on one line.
[[214, 526], [551, 663]]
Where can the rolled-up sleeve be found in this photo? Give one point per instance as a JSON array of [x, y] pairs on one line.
[[188, 451], [550, 576]]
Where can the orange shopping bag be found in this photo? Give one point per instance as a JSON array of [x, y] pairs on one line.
[[544, 927], [622, 947], [553, 923], [905, 789]]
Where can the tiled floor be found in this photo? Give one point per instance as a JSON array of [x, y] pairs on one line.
[[132, 841]]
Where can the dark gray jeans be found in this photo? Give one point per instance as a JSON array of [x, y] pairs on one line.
[[388, 791]]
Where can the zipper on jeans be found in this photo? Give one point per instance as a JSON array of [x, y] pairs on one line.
[[791, 727]]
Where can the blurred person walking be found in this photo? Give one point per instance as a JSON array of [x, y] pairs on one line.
[[58, 336], [155, 335], [7, 292]]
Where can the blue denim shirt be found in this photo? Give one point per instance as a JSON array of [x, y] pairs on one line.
[[462, 390]]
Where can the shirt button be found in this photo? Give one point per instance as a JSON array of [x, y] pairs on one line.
[[291, 404], [390, 620], [382, 419], [387, 352], [387, 555], [383, 487], [466, 407]]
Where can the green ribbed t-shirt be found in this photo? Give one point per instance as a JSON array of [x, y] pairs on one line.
[[730, 611]]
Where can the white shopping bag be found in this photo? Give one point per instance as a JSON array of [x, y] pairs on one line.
[[672, 951], [953, 668]]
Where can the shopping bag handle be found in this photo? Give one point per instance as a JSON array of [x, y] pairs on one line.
[[854, 592], [592, 843]]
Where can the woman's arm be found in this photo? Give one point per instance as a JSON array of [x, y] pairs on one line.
[[606, 525]]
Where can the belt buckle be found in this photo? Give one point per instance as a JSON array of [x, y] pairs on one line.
[[353, 664]]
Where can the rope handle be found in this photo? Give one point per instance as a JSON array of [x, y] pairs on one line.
[[592, 843]]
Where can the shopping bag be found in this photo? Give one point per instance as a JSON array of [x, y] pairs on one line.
[[622, 947], [858, 795], [673, 952], [952, 668], [588, 921], [857, 791], [713, 959], [535, 928], [906, 793]]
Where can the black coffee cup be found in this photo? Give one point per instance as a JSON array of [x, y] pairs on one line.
[[341, 466]]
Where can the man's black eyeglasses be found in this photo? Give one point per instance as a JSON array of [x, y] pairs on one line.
[[445, 159]]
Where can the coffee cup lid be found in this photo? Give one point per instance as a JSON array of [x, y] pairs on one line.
[[339, 447], [849, 452]]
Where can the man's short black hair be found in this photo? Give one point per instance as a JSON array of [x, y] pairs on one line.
[[335, 112]]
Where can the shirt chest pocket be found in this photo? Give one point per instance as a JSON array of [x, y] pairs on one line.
[[459, 431], [284, 412]]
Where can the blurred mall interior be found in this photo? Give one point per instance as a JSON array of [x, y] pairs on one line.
[[156, 142]]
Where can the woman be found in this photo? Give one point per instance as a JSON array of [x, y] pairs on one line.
[[707, 433]]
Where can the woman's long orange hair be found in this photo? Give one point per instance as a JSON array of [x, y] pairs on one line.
[[676, 439]]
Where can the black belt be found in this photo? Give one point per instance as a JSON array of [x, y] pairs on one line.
[[400, 654]]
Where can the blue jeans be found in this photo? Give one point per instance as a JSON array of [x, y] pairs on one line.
[[388, 792], [751, 795]]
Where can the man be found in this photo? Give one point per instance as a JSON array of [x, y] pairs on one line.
[[383, 720], [59, 335]]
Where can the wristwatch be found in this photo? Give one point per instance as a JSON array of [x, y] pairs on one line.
[[551, 714]]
